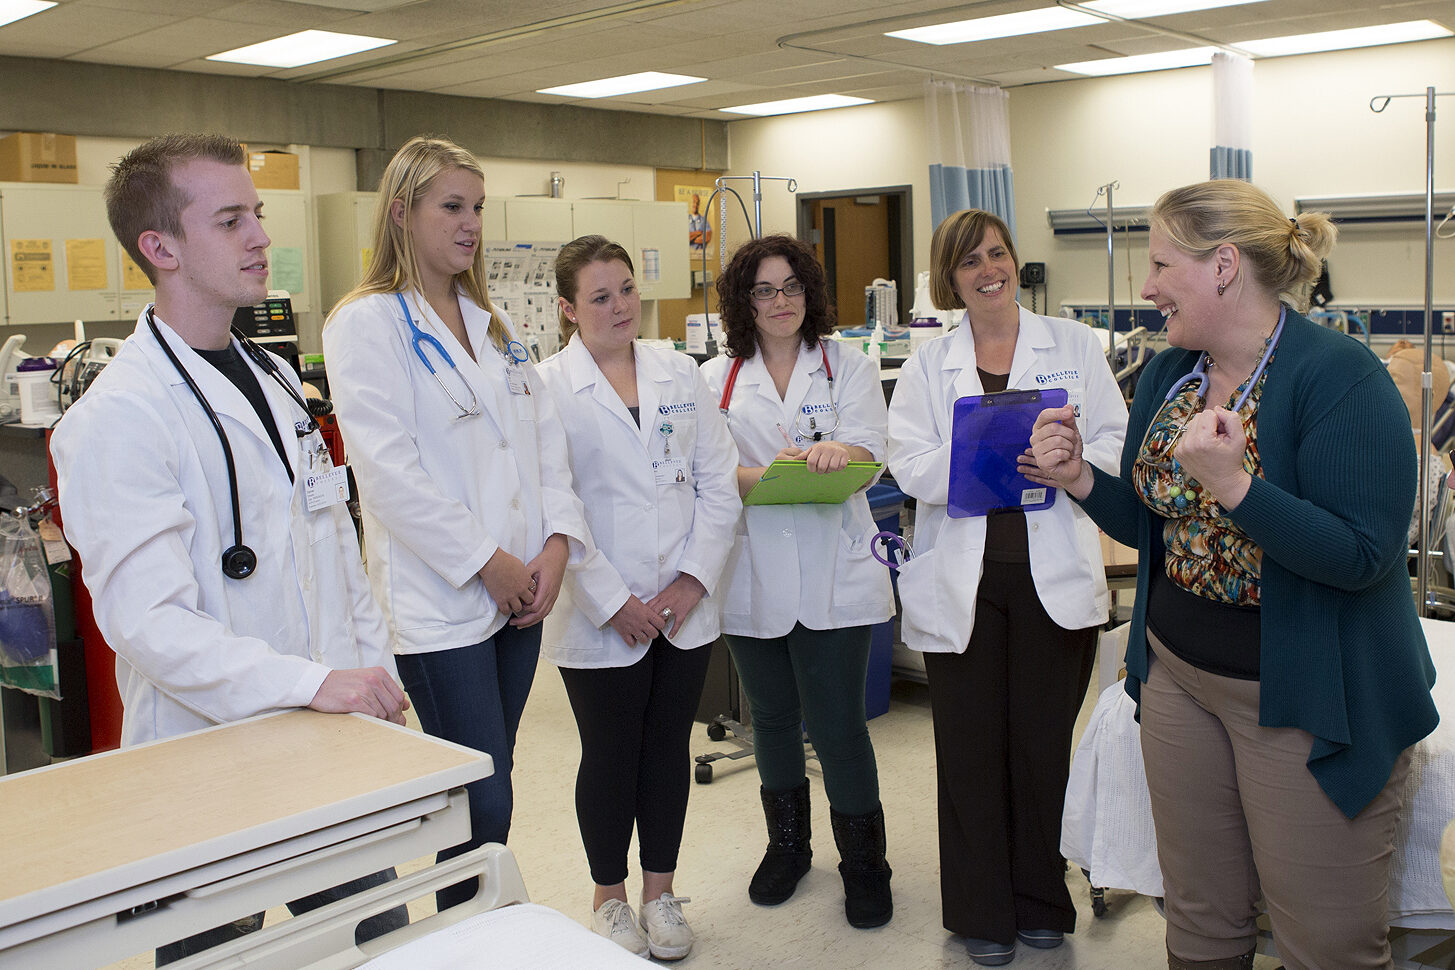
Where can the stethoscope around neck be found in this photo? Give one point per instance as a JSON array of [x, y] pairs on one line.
[[1199, 375], [238, 560], [515, 349], [813, 432]]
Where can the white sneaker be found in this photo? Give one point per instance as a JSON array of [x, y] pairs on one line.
[[668, 935], [616, 921]]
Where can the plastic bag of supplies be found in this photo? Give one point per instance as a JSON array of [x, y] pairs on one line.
[[28, 658]]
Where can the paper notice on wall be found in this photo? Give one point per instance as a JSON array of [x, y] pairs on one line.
[[132, 278], [32, 266], [366, 256], [86, 264], [286, 264]]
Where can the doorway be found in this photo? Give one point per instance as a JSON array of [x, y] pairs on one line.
[[860, 236]]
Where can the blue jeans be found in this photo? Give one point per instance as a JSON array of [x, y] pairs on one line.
[[475, 696]]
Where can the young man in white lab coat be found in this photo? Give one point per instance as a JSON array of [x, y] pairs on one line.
[[147, 494]]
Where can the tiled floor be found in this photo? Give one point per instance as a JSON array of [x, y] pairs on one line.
[[724, 841]]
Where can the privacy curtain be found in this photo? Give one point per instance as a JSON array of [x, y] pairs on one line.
[[969, 149], [1232, 151]]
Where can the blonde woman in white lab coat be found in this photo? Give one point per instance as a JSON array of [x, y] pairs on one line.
[[1004, 606], [804, 588], [652, 459], [461, 466]]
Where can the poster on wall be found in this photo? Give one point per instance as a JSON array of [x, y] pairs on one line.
[[700, 235]]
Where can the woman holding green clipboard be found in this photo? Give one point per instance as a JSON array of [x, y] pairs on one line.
[[801, 587]]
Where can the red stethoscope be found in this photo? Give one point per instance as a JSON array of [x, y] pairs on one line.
[[813, 431]]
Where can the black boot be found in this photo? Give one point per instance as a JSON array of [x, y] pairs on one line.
[[790, 848], [867, 900]]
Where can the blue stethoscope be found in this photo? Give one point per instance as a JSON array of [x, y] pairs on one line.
[[1199, 375], [419, 338]]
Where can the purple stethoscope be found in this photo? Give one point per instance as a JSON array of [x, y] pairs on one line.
[[895, 547], [1199, 376]]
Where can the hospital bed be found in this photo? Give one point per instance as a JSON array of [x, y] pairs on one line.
[[1107, 826], [115, 854]]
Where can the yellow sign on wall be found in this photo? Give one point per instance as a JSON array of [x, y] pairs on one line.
[[32, 265], [85, 264], [132, 278]]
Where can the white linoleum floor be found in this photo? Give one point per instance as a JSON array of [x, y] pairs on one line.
[[724, 841]]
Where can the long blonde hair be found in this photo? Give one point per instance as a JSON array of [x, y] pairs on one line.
[[393, 267], [1285, 254]]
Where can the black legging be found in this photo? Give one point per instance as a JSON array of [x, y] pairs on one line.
[[635, 725]]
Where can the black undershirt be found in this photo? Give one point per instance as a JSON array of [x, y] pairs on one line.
[[230, 363], [1221, 638], [636, 414], [1005, 531]]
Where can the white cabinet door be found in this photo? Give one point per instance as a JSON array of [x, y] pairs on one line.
[[345, 242], [661, 233], [285, 217], [537, 220], [605, 217], [60, 255]]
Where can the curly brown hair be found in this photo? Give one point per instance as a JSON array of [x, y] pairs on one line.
[[734, 293]]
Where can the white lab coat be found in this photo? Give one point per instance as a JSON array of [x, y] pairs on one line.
[[803, 563], [645, 533], [441, 493], [937, 586], [145, 498]]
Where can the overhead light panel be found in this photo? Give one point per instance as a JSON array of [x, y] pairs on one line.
[[1165, 61], [1052, 18], [13, 10], [304, 47], [818, 102], [1004, 25], [1335, 40], [1135, 9], [610, 87]]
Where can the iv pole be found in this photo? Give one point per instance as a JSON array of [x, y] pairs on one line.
[[1377, 104], [757, 228], [1111, 286]]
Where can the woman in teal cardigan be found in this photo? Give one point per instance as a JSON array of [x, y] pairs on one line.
[[1275, 653]]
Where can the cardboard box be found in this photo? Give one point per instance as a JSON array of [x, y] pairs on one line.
[[273, 170], [29, 156]]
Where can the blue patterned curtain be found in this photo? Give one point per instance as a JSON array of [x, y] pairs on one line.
[[969, 149], [1231, 156]]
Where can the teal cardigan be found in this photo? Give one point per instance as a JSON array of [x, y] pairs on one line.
[[1343, 656]]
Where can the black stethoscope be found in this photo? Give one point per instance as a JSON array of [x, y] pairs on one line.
[[239, 561]]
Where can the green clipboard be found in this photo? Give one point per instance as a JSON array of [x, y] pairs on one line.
[[789, 482]]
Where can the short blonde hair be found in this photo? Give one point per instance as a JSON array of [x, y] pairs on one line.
[[954, 240], [1285, 254], [394, 267]]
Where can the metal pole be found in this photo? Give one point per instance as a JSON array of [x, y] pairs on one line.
[[1111, 286], [1426, 379], [757, 204]]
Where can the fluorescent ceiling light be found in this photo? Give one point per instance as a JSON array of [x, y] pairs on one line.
[[1334, 40], [610, 87], [1004, 25], [13, 10], [304, 47], [794, 105], [1051, 18], [1188, 57], [1132, 9]]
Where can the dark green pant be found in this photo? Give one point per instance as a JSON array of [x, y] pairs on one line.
[[813, 678]]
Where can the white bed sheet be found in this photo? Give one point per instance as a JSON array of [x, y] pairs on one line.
[[1107, 825], [524, 936]]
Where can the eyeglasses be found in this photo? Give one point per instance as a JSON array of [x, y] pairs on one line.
[[763, 292]]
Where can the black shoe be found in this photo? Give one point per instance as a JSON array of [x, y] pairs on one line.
[[790, 848], [867, 900]]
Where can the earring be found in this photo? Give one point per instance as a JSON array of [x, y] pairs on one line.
[[1221, 286]]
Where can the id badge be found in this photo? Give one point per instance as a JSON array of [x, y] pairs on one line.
[[515, 379], [670, 471], [324, 488]]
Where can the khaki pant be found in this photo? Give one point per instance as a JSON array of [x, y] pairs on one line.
[[1240, 817]]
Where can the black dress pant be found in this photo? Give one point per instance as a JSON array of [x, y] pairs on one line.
[[1003, 715]]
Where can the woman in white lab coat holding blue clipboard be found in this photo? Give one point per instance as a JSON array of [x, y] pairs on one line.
[[802, 587], [467, 503], [1005, 606], [652, 459]]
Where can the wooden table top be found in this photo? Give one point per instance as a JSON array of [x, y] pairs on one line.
[[97, 814]]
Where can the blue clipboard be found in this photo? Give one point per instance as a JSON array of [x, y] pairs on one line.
[[988, 433]]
